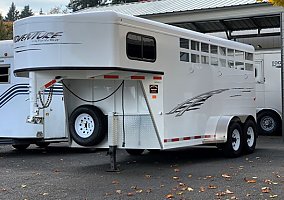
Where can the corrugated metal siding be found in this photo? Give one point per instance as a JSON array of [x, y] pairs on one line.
[[169, 6]]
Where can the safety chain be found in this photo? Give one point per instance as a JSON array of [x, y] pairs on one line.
[[49, 98]]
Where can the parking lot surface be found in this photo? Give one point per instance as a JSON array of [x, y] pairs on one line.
[[59, 172]]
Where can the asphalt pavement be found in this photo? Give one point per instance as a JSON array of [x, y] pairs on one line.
[[59, 172]]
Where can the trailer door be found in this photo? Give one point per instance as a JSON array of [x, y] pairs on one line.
[[260, 80]]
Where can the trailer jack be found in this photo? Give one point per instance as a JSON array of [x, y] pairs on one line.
[[113, 164]]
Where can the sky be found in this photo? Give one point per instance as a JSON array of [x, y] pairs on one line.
[[35, 5]]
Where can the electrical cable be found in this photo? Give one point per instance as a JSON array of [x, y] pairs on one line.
[[92, 101], [122, 105]]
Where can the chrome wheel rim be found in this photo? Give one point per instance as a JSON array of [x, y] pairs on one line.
[[84, 125]]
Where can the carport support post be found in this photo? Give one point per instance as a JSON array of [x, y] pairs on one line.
[[112, 141], [282, 70]]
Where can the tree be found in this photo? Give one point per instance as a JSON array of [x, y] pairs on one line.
[[58, 10], [13, 13], [26, 12], [41, 12], [123, 1], [6, 29], [273, 2], [76, 5], [276, 2]]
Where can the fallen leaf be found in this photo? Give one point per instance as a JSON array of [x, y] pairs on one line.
[[226, 176], [270, 182], [118, 191], [229, 192], [181, 184], [169, 196], [130, 194], [202, 189], [265, 189], [115, 182], [148, 176], [273, 196], [212, 187], [219, 194], [107, 194], [250, 180], [23, 186], [189, 189]]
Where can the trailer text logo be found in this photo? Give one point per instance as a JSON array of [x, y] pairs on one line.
[[39, 36]]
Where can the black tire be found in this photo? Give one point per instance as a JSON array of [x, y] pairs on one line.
[[234, 145], [250, 136], [20, 147], [268, 123], [135, 152], [42, 144], [87, 125]]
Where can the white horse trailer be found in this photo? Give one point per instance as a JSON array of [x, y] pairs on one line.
[[14, 108], [268, 91], [136, 84]]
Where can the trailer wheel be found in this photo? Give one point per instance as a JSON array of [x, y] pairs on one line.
[[234, 145], [134, 152], [268, 123], [87, 125], [249, 136], [20, 147]]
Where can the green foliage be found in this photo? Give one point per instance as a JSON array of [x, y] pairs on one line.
[[13, 13], [76, 5], [6, 29], [123, 1], [26, 12]]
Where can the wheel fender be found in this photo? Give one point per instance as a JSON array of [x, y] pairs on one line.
[[222, 128]]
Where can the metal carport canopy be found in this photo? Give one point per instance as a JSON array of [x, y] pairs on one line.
[[206, 16]]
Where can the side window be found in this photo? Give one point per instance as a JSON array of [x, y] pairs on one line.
[[195, 45], [184, 43], [184, 56], [4, 74], [141, 47]]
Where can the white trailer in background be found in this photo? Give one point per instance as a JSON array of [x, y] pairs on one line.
[[136, 84], [268, 91], [14, 108]]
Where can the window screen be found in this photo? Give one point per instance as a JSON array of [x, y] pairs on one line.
[[184, 43], [4, 74], [140, 47]]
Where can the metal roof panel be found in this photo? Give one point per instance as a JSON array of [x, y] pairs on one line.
[[168, 6]]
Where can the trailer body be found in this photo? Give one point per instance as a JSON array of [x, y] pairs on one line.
[[137, 84], [14, 107], [268, 91]]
